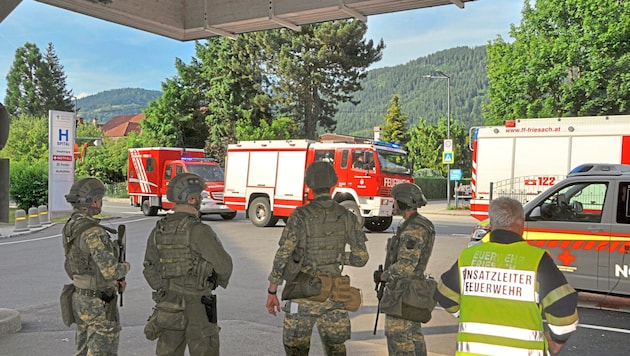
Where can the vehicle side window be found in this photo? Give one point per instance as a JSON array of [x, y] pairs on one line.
[[344, 158], [168, 172], [179, 170], [150, 164], [358, 160], [580, 202], [326, 156], [623, 211]]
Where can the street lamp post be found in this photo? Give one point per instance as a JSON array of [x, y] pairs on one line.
[[440, 75]]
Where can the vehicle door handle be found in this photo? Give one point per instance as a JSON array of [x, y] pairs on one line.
[[594, 229]]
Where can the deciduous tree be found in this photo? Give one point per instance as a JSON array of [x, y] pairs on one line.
[[568, 58]]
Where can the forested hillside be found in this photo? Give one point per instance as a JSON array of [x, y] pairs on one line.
[[105, 105], [421, 97]]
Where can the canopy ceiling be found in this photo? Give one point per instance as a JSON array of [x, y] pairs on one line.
[[186, 20]]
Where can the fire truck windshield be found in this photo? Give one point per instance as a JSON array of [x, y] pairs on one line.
[[209, 173], [393, 161]]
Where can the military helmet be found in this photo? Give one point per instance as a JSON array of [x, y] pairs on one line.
[[320, 175], [410, 194], [184, 186], [85, 191]]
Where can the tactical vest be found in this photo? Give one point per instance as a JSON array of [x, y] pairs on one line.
[[495, 278], [186, 271], [78, 262], [393, 244], [326, 235]]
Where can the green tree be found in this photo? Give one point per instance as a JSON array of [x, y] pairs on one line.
[[282, 128], [568, 58], [29, 183], [24, 82], [316, 69], [175, 119], [57, 96], [202, 103], [396, 128], [426, 144], [36, 84], [28, 139]]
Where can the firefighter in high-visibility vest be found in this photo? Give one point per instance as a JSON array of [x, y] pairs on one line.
[[501, 289]]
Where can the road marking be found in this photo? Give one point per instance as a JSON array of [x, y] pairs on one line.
[[53, 236], [596, 327], [29, 240]]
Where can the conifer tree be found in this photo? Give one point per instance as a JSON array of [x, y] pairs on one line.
[[397, 123], [36, 84]]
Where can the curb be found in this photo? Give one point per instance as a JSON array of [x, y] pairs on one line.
[[603, 301], [10, 321]]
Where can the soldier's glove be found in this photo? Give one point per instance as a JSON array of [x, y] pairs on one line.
[[377, 276]]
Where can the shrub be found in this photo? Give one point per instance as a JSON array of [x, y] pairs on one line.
[[29, 184]]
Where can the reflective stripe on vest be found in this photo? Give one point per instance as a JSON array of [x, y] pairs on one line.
[[487, 349], [500, 312], [502, 331]]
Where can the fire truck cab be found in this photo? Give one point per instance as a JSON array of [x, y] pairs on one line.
[[151, 169]]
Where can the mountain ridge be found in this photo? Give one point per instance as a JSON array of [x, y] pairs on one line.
[[421, 96]]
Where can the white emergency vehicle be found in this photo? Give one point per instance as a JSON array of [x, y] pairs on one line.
[[524, 157]]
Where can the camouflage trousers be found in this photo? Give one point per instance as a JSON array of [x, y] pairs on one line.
[[333, 325], [404, 337], [98, 326], [201, 336]]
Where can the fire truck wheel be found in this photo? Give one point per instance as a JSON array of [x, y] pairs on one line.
[[260, 213], [378, 224], [354, 208], [228, 216], [149, 210]]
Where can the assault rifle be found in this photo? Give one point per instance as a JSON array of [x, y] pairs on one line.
[[378, 287], [122, 255]]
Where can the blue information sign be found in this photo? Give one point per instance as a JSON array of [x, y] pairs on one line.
[[456, 174]]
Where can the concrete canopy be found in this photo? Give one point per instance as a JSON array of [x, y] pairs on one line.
[[186, 20]]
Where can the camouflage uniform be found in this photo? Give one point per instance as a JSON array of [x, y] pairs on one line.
[[408, 254], [332, 319], [92, 263], [196, 252]]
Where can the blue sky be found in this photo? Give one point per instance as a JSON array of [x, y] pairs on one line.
[[99, 55]]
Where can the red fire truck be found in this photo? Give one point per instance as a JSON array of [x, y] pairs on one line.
[[266, 178], [150, 170]]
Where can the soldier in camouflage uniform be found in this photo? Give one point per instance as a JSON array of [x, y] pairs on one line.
[[325, 227], [407, 257], [184, 261], [92, 264]]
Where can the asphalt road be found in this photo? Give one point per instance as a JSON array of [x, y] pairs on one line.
[[32, 277]]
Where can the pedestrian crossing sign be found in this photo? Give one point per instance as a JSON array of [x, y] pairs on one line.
[[448, 158]]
